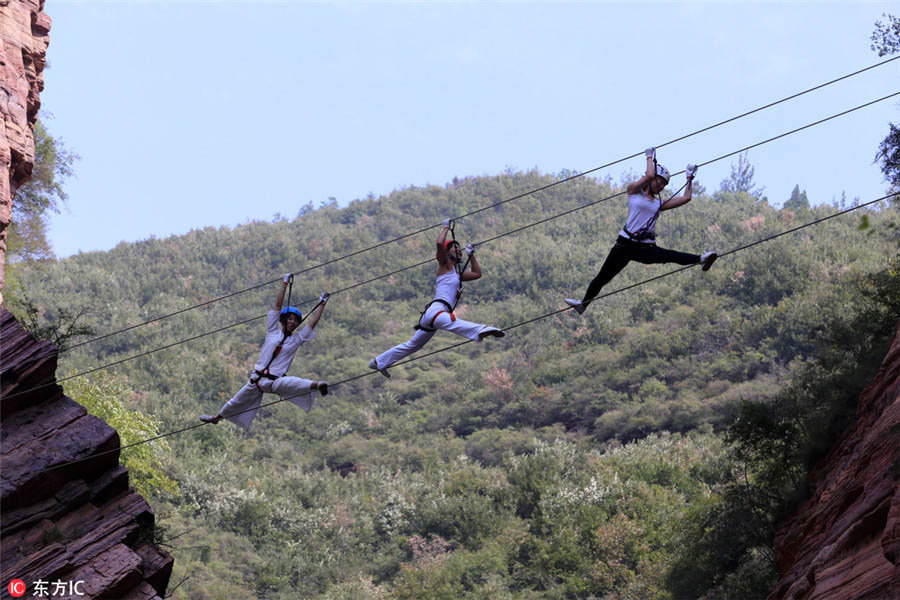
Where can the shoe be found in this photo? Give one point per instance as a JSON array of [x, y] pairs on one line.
[[323, 388], [374, 366], [210, 418], [576, 304], [708, 259], [491, 332]]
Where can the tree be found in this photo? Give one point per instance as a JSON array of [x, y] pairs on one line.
[[741, 178], [798, 200], [886, 40], [886, 37], [27, 233], [103, 397], [60, 328]]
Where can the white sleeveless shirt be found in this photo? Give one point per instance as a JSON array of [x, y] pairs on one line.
[[642, 213], [448, 287]]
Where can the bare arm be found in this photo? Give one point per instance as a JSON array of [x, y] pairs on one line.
[[442, 237], [676, 201], [443, 258], [474, 271], [636, 186]]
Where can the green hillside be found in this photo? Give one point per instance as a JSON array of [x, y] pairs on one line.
[[575, 458]]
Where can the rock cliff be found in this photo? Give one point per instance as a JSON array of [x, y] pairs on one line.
[[24, 37], [62, 520], [845, 541]]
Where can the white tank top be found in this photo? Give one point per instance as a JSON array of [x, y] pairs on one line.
[[642, 213], [447, 287]]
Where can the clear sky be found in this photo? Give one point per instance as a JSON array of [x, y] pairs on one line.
[[189, 114]]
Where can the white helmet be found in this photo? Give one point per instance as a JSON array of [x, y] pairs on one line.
[[663, 172]]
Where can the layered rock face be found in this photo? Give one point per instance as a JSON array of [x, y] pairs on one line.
[[844, 543], [24, 37], [62, 520]]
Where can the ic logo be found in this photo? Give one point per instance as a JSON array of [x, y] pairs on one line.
[[16, 588]]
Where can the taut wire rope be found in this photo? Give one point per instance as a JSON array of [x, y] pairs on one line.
[[517, 197], [331, 386], [419, 264]]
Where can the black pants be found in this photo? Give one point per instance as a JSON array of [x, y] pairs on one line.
[[626, 251]]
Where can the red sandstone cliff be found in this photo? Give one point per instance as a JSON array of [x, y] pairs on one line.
[[62, 520], [844, 543], [24, 37]]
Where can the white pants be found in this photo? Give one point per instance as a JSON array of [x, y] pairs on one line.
[[466, 329], [241, 409]]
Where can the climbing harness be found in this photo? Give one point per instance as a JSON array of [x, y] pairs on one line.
[[430, 327]]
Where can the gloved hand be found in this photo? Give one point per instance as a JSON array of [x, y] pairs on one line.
[[323, 297], [288, 277], [690, 171], [650, 152], [446, 223], [470, 249]]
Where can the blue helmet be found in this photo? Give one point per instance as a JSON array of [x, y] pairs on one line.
[[290, 310]]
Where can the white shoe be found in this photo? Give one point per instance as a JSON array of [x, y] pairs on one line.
[[374, 366], [576, 304], [490, 332], [708, 259]]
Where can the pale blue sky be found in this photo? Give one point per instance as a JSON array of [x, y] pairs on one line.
[[188, 114]]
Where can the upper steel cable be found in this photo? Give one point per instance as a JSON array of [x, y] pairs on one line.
[[512, 231], [484, 208]]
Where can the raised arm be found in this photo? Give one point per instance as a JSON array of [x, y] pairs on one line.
[[636, 186], [279, 302], [474, 271], [681, 200], [442, 257], [317, 312]]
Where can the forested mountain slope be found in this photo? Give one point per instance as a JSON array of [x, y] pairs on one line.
[[490, 469]]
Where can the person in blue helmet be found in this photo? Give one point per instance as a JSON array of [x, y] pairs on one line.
[[270, 371], [637, 240]]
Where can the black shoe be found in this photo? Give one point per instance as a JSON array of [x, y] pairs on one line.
[[323, 388], [210, 418], [374, 365], [491, 332], [708, 259]]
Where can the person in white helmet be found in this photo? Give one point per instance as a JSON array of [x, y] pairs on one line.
[[439, 312], [637, 240], [275, 357]]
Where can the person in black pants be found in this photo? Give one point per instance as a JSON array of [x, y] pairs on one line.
[[637, 240]]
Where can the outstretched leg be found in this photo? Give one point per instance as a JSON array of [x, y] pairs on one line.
[[296, 390], [241, 409], [467, 329], [616, 260], [654, 255], [401, 351]]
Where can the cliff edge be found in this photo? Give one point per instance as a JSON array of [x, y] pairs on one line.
[[24, 37], [845, 541], [62, 520]]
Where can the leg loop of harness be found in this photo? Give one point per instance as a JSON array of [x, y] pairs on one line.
[[430, 327], [261, 375]]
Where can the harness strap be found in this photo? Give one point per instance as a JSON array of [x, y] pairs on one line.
[[644, 232], [456, 266], [430, 327], [265, 372]]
